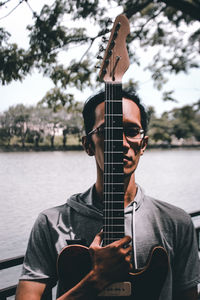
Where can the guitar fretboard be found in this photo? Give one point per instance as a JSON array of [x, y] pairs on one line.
[[113, 165]]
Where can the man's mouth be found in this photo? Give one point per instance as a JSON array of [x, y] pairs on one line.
[[127, 158]]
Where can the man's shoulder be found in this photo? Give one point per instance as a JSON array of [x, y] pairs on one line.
[[52, 211], [53, 215], [168, 211]]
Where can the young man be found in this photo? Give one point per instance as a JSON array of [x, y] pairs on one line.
[[156, 222]]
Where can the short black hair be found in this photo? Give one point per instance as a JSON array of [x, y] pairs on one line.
[[92, 102]]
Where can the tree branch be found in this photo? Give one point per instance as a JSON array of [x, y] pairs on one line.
[[189, 8], [133, 9], [151, 18]]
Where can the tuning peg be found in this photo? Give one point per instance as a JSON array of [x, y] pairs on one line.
[[97, 67], [109, 53], [101, 49], [112, 44], [104, 39], [118, 26], [99, 57], [115, 35]]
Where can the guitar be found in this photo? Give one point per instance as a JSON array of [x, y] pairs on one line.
[[74, 261]]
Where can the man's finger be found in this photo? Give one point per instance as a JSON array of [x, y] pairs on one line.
[[127, 250], [124, 241], [97, 240]]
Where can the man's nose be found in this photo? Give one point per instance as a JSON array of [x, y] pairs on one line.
[[125, 141]]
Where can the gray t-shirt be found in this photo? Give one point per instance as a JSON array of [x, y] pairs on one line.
[[156, 223]]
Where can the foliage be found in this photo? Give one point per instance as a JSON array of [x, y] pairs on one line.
[[35, 125], [41, 125], [170, 28], [180, 123]]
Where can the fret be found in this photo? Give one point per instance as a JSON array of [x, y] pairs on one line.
[[116, 210], [115, 100], [116, 115], [114, 220], [114, 233], [108, 140], [112, 152], [107, 193], [113, 174], [116, 197], [113, 128], [117, 163], [115, 183], [116, 202], [117, 226]]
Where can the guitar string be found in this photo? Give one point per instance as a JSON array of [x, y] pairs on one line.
[[109, 153], [111, 92]]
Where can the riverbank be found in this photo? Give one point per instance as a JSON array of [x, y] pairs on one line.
[[18, 148]]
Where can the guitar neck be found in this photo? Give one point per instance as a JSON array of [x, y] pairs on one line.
[[113, 165]]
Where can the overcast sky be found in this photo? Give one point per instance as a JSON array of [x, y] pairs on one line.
[[34, 87]]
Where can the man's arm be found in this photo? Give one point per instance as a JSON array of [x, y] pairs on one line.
[[30, 290], [190, 294]]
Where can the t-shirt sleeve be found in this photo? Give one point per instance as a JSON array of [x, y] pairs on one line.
[[40, 258], [186, 271]]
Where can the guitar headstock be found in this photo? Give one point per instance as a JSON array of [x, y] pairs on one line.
[[116, 60]]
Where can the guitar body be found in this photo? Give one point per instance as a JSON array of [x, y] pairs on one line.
[[74, 262]]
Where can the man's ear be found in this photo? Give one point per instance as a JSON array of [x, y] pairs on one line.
[[144, 143], [87, 145]]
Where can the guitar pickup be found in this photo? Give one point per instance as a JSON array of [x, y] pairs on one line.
[[117, 289]]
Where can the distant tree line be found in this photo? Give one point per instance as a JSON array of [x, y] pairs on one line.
[[39, 125], [176, 126]]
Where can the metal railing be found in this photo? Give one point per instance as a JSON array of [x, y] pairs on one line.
[[15, 261], [11, 290]]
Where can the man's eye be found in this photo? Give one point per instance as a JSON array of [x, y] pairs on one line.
[[131, 132]]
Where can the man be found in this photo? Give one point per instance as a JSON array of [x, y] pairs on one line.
[[156, 222]]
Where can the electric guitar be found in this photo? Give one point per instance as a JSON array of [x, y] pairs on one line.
[[74, 261]]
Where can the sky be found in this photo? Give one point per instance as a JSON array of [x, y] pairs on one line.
[[35, 86]]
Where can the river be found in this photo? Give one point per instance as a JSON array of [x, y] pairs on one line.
[[33, 181]]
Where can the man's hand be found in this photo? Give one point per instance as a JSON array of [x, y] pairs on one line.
[[111, 263]]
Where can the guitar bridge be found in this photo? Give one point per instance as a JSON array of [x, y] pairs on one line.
[[117, 289]]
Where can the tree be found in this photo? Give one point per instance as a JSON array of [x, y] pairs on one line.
[[160, 129], [21, 118], [186, 122], [6, 127], [170, 28]]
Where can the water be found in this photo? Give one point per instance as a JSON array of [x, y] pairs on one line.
[[33, 181]]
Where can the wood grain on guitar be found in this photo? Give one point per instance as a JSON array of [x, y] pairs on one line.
[[74, 262]]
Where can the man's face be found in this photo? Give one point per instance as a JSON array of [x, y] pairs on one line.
[[131, 150]]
